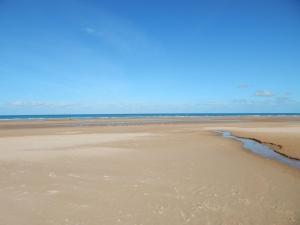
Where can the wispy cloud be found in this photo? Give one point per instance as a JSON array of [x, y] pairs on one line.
[[277, 103], [243, 86], [286, 100], [89, 30], [264, 93], [93, 31], [125, 41], [37, 104], [121, 34], [272, 101]]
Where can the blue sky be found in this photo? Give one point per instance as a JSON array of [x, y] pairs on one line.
[[88, 56]]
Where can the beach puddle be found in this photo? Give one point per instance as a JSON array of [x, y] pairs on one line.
[[263, 150]]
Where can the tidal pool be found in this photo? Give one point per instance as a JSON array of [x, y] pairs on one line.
[[263, 150]]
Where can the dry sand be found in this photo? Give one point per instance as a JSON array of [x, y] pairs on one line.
[[145, 171]]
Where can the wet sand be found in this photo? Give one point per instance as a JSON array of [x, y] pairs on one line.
[[144, 171]]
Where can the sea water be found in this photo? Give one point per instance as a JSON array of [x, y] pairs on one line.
[[143, 115]]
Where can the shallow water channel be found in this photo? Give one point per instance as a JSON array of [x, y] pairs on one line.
[[263, 150]]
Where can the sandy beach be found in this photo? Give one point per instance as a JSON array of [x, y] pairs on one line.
[[147, 171]]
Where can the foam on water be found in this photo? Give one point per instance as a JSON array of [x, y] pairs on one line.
[[142, 115]]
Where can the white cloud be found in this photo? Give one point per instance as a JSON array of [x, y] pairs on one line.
[[264, 93]]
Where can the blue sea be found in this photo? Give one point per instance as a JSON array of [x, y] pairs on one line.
[[150, 115]]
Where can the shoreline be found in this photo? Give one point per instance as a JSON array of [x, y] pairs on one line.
[[157, 119], [50, 117]]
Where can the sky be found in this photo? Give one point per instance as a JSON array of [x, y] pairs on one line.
[[158, 56]]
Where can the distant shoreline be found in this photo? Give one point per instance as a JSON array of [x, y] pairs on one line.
[[141, 115]]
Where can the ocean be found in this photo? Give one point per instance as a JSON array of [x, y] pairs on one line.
[[144, 115]]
